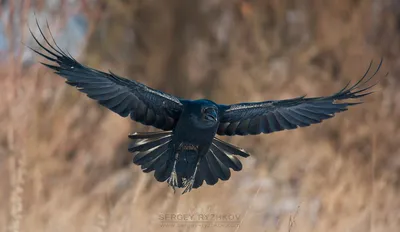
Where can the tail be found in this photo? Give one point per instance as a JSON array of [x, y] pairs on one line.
[[216, 163], [152, 152]]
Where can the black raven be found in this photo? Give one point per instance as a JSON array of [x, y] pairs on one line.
[[187, 152]]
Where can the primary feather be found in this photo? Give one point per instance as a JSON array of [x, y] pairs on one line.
[[124, 97], [270, 116]]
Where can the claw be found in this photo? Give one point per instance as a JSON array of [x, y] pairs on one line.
[[184, 181], [173, 180], [188, 185]]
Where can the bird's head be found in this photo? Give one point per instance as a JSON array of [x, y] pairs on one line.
[[204, 113]]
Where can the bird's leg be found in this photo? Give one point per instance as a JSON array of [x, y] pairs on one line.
[[189, 183], [173, 179]]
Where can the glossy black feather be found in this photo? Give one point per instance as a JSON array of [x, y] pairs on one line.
[[271, 116], [152, 151], [226, 158], [218, 168], [229, 148], [145, 105]]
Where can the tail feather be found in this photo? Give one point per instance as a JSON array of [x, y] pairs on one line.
[[148, 160], [207, 172], [165, 165], [230, 148], [198, 181], [143, 157], [146, 144], [152, 152], [217, 162], [230, 160], [204, 173], [148, 135], [219, 169]]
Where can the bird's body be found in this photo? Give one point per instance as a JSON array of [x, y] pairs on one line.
[[187, 147], [191, 139], [186, 152]]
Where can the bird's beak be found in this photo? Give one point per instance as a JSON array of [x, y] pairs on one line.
[[212, 116]]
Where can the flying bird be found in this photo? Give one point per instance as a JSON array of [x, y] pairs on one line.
[[186, 152]]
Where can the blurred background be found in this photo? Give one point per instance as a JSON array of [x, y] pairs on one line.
[[64, 164]]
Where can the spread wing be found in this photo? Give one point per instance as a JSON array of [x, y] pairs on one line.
[[270, 116], [124, 97]]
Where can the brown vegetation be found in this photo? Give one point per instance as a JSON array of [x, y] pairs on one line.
[[64, 164]]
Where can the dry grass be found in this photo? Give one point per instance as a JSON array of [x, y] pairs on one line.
[[63, 159]]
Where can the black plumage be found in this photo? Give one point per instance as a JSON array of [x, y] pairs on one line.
[[186, 152]]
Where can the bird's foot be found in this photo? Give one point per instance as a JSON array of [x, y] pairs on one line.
[[173, 180], [188, 184]]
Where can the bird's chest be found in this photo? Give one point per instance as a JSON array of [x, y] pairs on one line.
[[190, 135], [190, 141]]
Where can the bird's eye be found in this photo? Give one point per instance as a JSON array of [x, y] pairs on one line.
[[210, 114], [206, 110]]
